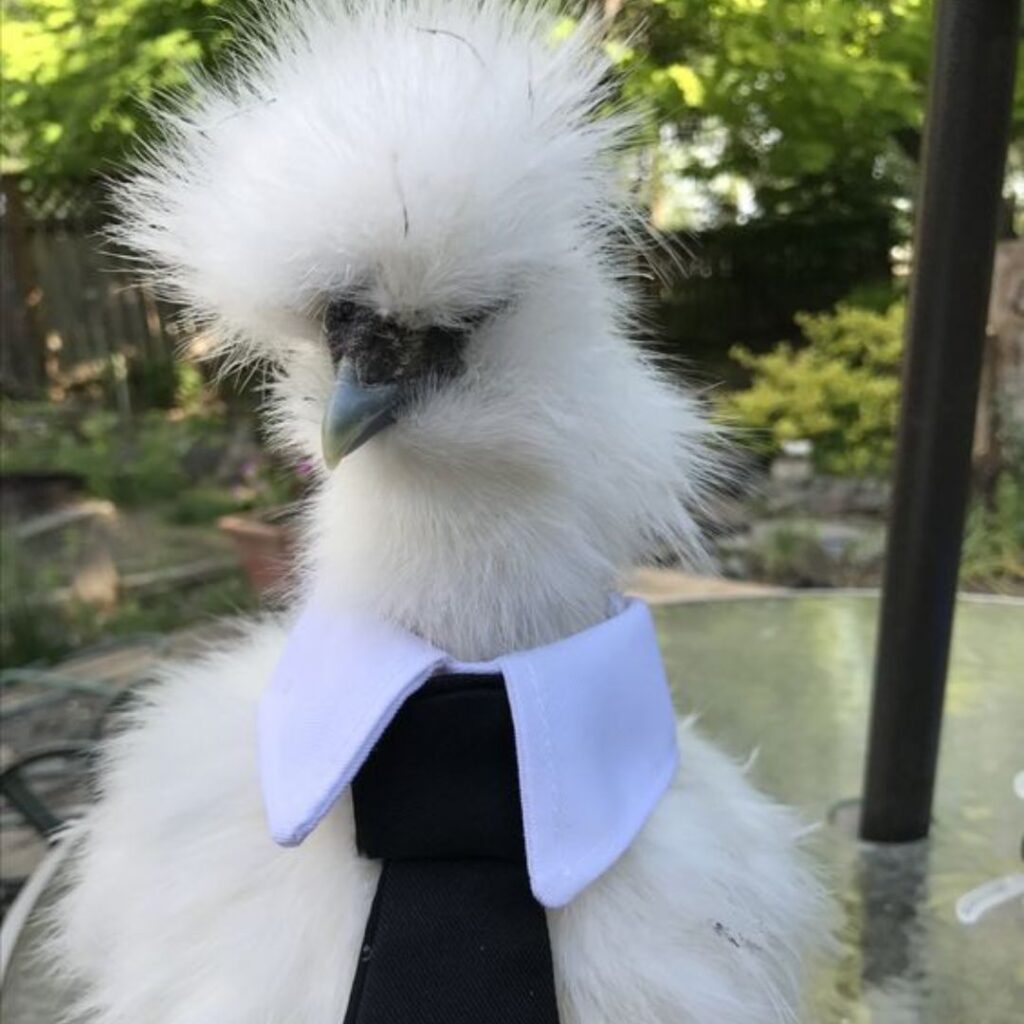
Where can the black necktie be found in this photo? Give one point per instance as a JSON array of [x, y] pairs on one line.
[[454, 935]]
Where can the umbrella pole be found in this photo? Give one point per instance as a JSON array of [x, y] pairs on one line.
[[966, 137]]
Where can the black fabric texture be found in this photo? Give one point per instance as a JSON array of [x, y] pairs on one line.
[[454, 935]]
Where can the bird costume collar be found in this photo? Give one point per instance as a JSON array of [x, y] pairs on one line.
[[592, 718]]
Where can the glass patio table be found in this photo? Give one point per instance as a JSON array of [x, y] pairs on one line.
[[930, 932]]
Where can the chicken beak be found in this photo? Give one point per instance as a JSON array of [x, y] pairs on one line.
[[354, 413]]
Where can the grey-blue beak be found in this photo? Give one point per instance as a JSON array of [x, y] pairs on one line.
[[355, 412]]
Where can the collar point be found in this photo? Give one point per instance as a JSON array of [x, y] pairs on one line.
[[288, 837]]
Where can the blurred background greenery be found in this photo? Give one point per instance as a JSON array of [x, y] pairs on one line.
[[779, 161]]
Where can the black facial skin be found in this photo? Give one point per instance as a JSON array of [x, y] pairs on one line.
[[384, 351]]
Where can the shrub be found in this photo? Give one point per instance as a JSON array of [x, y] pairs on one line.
[[192, 465], [840, 390], [131, 462], [136, 461]]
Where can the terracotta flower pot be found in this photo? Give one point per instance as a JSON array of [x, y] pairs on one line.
[[265, 546]]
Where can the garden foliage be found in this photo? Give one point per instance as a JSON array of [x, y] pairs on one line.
[[839, 390], [78, 74], [817, 105], [181, 463], [993, 551], [824, 132]]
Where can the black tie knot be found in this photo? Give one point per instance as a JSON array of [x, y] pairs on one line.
[[442, 782]]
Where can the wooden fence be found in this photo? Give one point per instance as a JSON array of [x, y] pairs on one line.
[[73, 316]]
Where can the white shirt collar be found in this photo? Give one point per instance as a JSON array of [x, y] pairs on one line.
[[592, 714]]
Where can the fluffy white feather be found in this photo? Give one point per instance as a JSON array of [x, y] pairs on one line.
[[183, 911], [441, 156]]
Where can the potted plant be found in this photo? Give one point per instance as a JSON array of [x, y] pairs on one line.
[[265, 538]]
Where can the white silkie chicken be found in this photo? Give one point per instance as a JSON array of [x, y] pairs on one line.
[[425, 165]]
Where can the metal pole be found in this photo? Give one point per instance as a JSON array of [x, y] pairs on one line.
[[964, 157]]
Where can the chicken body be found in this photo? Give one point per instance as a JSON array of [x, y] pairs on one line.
[[185, 912]]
